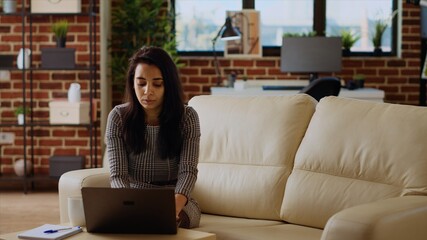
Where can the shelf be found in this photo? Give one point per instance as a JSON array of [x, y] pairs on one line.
[[47, 124], [13, 177], [10, 124], [26, 14], [29, 21], [78, 68]]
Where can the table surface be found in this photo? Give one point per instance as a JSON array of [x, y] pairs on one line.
[[182, 234]]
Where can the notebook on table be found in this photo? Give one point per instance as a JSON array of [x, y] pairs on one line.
[[130, 210], [49, 232]]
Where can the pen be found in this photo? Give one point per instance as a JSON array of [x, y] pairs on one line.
[[57, 230]]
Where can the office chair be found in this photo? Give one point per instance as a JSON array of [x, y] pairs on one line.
[[322, 87]]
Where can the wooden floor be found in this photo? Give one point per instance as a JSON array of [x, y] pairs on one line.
[[19, 211]]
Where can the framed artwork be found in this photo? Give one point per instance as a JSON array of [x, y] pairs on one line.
[[249, 45]]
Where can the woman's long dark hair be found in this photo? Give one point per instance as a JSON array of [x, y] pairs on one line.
[[170, 118]]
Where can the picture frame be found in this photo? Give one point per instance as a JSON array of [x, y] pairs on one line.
[[249, 45]]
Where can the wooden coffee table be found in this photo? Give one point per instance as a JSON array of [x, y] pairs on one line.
[[182, 234]]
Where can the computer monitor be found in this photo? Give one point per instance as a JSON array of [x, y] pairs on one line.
[[311, 55]]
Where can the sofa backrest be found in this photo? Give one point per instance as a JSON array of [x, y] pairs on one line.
[[356, 152], [247, 149]]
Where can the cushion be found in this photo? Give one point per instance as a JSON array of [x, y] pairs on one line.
[[356, 152], [247, 149]]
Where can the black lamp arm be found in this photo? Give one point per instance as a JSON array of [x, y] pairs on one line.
[[217, 71]]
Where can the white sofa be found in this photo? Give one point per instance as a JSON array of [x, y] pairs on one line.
[[291, 168]]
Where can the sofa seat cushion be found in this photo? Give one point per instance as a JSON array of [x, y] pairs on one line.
[[247, 150], [356, 152], [211, 223], [247, 229]]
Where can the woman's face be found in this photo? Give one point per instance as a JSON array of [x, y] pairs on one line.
[[149, 88]]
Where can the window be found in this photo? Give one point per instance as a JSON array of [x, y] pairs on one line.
[[198, 21], [284, 16], [360, 19]]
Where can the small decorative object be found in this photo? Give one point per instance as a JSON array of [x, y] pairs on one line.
[[359, 80], [348, 39], [23, 60], [65, 112], [231, 79], [9, 6], [60, 29], [20, 112], [74, 93], [20, 166]]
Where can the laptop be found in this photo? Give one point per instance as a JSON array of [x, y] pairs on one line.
[[130, 210]]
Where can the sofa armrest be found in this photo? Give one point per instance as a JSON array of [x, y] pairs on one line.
[[391, 219], [71, 183]]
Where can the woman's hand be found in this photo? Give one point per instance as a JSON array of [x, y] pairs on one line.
[[180, 201]]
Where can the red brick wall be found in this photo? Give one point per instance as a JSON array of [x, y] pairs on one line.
[[47, 85], [398, 77]]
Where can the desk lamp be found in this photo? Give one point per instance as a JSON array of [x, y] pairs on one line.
[[227, 33]]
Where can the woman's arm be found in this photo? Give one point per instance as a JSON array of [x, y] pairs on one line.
[[189, 158], [116, 151]]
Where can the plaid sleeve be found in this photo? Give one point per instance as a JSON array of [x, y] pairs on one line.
[[189, 158], [116, 151]]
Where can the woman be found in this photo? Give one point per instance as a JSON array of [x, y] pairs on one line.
[[153, 139]]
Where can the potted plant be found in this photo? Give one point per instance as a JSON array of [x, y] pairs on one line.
[[59, 57], [20, 112], [348, 39], [308, 34], [380, 27], [359, 80], [60, 29]]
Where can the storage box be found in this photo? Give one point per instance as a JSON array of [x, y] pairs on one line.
[[64, 112], [56, 6], [58, 58], [6, 61], [59, 165]]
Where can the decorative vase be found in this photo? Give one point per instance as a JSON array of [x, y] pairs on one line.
[[20, 168], [21, 119], [74, 94], [346, 52], [9, 6], [378, 51], [23, 60], [61, 42]]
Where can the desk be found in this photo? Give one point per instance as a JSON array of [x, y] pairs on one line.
[[371, 94], [181, 235]]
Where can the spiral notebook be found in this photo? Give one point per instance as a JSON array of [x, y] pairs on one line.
[[49, 232]]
